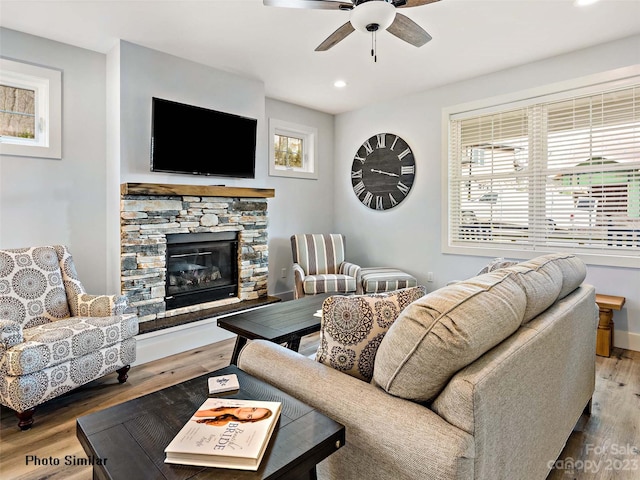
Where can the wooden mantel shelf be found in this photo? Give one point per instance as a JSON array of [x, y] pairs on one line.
[[194, 190]]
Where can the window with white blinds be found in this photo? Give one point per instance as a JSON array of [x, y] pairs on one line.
[[558, 175]]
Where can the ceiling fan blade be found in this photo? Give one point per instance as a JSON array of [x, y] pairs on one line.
[[337, 36], [406, 29], [317, 4], [415, 3]]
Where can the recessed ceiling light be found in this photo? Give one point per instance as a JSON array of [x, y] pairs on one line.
[[582, 3], [339, 84]]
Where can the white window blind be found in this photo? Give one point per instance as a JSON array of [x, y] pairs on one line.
[[558, 175]]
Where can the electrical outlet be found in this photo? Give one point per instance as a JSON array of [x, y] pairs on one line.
[[429, 276], [283, 273]]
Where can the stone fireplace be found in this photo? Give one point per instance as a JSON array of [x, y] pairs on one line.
[[189, 252]]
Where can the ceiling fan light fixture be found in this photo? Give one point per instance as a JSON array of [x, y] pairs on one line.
[[374, 12]]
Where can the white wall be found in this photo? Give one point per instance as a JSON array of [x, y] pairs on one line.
[[299, 205], [106, 137], [106, 131], [408, 236], [45, 201]]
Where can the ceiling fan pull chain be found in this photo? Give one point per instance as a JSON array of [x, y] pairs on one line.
[[374, 45]]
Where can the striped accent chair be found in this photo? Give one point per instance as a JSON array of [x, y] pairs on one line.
[[319, 265]]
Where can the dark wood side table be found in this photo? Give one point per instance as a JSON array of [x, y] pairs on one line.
[[606, 304], [282, 322], [127, 441]]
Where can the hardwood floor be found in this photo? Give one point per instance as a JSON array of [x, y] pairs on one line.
[[607, 444]]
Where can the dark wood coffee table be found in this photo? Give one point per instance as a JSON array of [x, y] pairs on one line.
[[128, 440], [282, 322]]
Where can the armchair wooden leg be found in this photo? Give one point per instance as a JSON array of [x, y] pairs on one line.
[[122, 373], [25, 419]]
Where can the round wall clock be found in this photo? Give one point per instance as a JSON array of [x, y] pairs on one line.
[[383, 171]]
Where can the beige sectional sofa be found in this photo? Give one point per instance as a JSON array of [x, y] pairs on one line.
[[482, 379]]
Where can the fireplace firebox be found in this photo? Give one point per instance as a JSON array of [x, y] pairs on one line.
[[201, 267]]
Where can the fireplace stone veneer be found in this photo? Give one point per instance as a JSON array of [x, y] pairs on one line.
[[150, 212]]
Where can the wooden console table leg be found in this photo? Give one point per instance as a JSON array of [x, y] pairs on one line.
[[606, 305], [605, 333]]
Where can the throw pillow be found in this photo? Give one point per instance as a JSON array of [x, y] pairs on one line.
[[495, 264], [445, 331], [352, 328]]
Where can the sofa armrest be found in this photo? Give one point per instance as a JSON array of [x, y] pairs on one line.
[[10, 334], [352, 270], [407, 437], [101, 305], [298, 280]]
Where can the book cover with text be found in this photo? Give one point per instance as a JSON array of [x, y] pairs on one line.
[[225, 433]]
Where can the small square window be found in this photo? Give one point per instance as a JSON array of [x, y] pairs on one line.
[[292, 150], [288, 151], [30, 110], [17, 112]]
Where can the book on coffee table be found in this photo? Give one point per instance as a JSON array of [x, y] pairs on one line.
[[223, 383], [225, 433]]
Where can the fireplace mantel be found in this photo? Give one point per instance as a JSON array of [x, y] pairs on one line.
[[194, 190]]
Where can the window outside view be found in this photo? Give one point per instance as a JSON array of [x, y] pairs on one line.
[[17, 112], [565, 174], [288, 151]]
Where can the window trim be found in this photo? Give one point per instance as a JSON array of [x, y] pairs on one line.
[[309, 137], [591, 84], [47, 83]]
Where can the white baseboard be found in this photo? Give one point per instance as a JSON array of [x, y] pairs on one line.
[[626, 340], [169, 341]]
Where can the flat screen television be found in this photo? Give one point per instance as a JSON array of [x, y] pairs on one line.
[[199, 141]]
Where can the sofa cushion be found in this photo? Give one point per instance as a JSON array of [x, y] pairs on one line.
[[31, 286], [446, 330], [26, 391], [318, 253], [353, 327], [334, 282], [385, 279], [56, 342], [572, 270], [545, 279]]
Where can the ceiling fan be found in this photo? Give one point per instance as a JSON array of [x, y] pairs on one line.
[[366, 16]]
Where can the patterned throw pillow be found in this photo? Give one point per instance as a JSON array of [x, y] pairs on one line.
[[495, 264], [352, 328]]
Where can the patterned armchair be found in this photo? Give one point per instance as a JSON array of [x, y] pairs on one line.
[[319, 266], [55, 337]]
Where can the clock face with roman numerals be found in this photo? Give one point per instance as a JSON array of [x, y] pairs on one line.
[[383, 171]]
